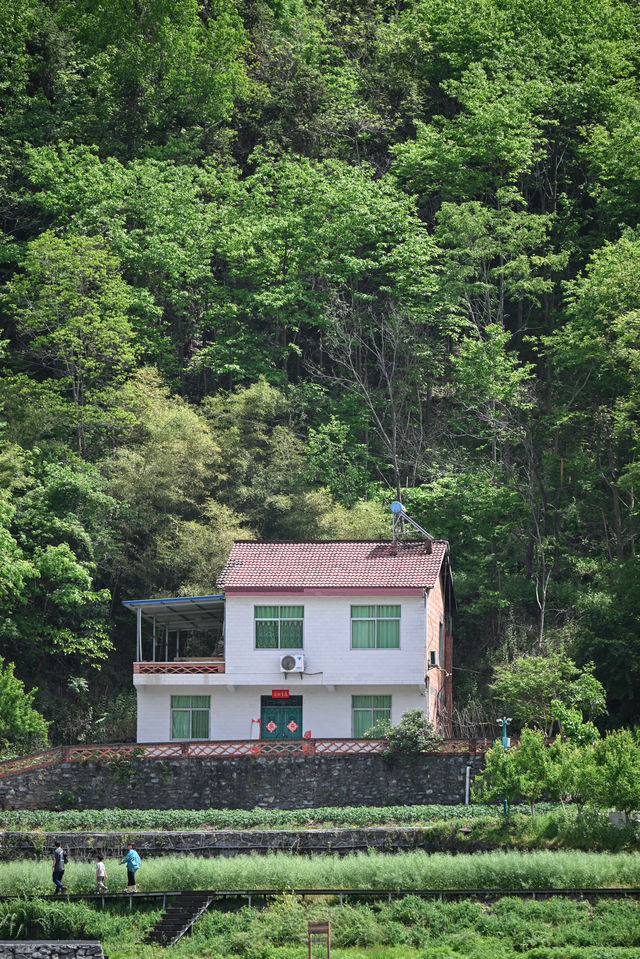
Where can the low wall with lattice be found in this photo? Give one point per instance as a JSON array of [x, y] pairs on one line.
[[284, 782]]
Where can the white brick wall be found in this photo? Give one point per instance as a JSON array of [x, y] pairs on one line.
[[326, 712]]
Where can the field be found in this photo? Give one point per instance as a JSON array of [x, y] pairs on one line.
[[409, 928], [406, 928]]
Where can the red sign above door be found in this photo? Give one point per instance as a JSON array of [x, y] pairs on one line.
[[279, 693]]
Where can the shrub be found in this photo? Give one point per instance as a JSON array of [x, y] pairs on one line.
[[413, 734]]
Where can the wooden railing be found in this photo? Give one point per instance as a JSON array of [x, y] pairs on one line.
[[240, 747], [171, 668]]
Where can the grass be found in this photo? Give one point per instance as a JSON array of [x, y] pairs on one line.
[[453, 828], [409, 928], [281, 871]]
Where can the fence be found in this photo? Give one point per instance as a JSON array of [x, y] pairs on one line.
[[247, 747]]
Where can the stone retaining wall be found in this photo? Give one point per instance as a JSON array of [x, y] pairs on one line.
[[284, 782], [83, 846], [32, 949]]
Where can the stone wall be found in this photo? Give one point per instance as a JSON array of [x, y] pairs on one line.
[[284, 782], [32, 949], [83, 846]]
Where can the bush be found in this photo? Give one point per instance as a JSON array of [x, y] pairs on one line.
[[413, 734]]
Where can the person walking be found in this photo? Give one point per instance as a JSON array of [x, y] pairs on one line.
[[101, 875], [132, 862], [58, 867]]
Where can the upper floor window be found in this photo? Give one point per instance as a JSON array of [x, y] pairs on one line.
[[190, 717], [279, 627], [375, 627]]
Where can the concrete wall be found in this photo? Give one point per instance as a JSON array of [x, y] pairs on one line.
[[326, 711], [32, 949], [284, 782]]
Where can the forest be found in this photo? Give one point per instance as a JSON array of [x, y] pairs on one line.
[[267, 265]]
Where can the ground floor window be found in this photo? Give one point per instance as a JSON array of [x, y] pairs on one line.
[[190, 717], [368, 711]]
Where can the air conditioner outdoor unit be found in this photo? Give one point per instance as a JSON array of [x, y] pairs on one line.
[[433, 658], [292, 663]]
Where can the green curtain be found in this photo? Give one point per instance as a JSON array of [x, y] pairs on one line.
[[200, 722], [363, 612], [181, 722], [266, 634], [388, 612], [265, 612], [180, 702], [363, 633], [388, 633], [291, 634], [291, 612], [361, 722]]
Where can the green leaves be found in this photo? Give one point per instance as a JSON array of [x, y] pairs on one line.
[[21, 726]]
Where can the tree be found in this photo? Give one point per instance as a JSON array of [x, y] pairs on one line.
[[530, 688], [21, 726], [72, 313], [616, 780]]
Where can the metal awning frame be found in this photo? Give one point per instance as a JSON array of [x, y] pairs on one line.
[[175, 615]]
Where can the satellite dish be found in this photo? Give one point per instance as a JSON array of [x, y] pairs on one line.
[[396, 507]]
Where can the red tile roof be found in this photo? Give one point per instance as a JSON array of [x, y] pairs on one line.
[[333, 564]]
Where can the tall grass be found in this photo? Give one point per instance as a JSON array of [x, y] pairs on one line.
[[411, 870]]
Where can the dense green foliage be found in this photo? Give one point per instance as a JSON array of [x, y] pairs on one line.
[[604, 773], [407, 928], [362, 870], [267, 264], [140, 819]]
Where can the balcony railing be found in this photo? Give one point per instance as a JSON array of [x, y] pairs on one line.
[[184, 667], [244, 747]]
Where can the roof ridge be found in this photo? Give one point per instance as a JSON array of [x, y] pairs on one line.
[[317, 542]]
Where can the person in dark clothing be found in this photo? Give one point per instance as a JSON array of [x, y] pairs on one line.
[[58, 868]]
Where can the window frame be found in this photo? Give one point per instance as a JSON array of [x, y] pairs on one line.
[[371, 708], [279, 620], [377, 619], [191, 709]]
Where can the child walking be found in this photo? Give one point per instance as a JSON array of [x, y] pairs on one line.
[[101, 875]]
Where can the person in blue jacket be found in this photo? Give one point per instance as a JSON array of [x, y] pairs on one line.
[[132, 862]]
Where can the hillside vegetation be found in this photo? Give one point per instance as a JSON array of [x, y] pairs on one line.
[[269, 264]]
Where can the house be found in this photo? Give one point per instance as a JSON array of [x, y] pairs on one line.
[[320, 639]]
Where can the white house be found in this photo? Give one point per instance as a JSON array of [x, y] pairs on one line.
[[319, 639]]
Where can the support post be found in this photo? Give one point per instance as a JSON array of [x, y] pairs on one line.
[[154, 639], [166, 644], [139, 634]]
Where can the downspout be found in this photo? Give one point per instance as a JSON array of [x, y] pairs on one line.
[[467, 773], [426, 651]]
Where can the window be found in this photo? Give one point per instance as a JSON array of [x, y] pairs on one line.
[[279, 627], [368, 711], [375, 627], [190, 717]]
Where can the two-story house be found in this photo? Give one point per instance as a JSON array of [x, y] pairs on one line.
[[323, 639]]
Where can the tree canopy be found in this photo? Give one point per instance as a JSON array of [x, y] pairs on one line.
[[266, 266]]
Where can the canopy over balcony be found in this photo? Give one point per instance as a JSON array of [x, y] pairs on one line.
[[187, 624]]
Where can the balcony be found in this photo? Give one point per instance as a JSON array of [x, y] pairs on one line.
[[182, 635], [182, 666]]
